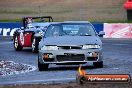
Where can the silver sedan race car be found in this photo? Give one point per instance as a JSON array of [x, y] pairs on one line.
[[70, 43]]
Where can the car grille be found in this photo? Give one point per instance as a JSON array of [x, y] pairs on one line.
[[70, 47], [70, 57]]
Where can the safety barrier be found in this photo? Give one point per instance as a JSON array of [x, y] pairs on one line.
[[8, 28], [117, 30], [112, 30]]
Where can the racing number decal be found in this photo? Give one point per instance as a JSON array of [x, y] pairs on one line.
[[22, 38]]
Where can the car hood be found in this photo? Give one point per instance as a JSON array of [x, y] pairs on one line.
[[71, 40]]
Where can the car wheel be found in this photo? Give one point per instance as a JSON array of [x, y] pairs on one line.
[[17, 46], [35, 44], [42, 67], [98, 64]]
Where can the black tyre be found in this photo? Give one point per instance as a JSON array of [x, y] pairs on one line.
[[35, 44], [98, 64], [17, 46], [42, 67]]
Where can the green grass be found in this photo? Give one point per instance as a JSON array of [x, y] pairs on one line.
[[94, 11], [15, 20], [5, 11]]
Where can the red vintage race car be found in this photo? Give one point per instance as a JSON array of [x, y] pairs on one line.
[[31, 33]]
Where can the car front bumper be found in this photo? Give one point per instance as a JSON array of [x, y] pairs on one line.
[[70, 56]]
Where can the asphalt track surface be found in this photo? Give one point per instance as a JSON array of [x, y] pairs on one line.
[[117, 60]]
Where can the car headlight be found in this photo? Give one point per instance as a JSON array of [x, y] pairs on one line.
[[91, 47], [49, 48]]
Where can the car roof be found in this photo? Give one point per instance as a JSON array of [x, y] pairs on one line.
[[42, 23], [69, 22], [76, 22]]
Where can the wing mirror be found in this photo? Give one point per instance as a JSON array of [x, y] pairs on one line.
[[101, 33]]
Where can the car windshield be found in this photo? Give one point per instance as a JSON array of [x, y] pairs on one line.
[[38, 25], [70, 29]]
